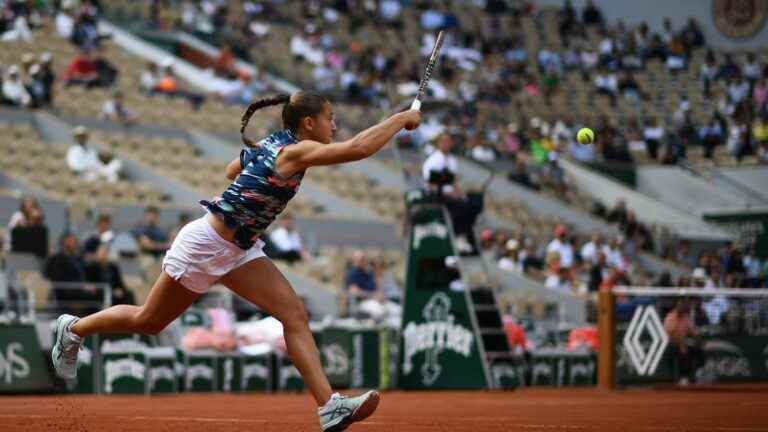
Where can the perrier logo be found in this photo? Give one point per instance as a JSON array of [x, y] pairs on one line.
[[434, 336]]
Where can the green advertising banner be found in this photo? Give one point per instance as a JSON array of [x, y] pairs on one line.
[[750, 226], [644, 355], [439, 347], [351, 356], [23, 365]]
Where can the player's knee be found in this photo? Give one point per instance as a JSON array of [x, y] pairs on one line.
[[148, 325], [297, 316]]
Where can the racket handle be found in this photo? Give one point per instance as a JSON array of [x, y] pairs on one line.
[[416, 105]]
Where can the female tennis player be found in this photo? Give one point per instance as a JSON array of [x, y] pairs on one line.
[[223, 246]]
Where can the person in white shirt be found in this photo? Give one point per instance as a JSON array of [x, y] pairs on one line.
[[562, 246], [287, 241], [114, 109], [590, 250], [86, 162], [441, 161], [65, 24], [14, 90]]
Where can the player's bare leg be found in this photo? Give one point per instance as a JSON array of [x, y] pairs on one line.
[[261, 283], [166, 301]]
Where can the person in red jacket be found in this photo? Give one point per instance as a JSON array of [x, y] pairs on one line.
[[82, 70]]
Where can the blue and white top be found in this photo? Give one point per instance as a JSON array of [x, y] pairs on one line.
[[259, 193]]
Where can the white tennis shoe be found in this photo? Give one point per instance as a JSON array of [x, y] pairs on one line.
[[341, 411], [65, 348]]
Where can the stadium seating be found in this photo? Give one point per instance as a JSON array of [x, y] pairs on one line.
[[43, 165]]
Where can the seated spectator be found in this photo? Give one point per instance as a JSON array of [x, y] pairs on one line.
[[598, 271], [102, 270], [37, 87], [47, 76], [14, 91], [359, 282], [65, 23], [520, 175], [711, 136], [169, 85], [85, 33], [618, 213], [66, 270], [652, 135], [562, 246], [630, 89], [287, 241], [558, 277], [591, 15], [752, 70], [606, 84], [106, 71], [692, 36], [738, 90], [27, 229], [149, 78], [510, 260], [102, 237], [708, 72], [590, 249], [89, 164], [114, 109], [729, 69], [151, 238], [760, 95], [481, 151], [82, 70]]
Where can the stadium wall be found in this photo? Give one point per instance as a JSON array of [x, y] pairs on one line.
[[654, 11]]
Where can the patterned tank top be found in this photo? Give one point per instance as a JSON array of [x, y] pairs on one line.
[[259, 193]]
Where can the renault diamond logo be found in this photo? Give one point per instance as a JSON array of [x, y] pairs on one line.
[[644, 320]]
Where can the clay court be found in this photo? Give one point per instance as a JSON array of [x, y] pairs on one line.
[[524, 410]]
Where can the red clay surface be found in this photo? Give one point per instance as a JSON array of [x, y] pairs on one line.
[[529, 410]]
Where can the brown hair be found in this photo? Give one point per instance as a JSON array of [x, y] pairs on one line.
[[295, 107]]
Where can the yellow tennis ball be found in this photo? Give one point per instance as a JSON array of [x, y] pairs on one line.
[[585, 136]]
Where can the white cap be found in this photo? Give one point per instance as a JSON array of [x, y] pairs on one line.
[[80, 130], [13, 70], [46, 57], [699, 273], [34, 69]]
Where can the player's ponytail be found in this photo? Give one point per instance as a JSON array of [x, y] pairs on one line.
[[259, 104], [295, 108]]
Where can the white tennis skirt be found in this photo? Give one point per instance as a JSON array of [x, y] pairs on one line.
[[199, 256]]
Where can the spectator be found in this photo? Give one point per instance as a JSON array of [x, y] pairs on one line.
[[82, 70], [27, 229], [711, 135], [440, 168], [149, 78], [563, 247], [738, 90], [728, 70], [752, 267], [287, 241], [36, 87], [47, 76], [630, 89], [692, 36], [606, 84], [14, 91], [590, 249], [90, 165], [760, 95], [591, 15], [28, 210], [151, 238], [102, 270], [752, 70], [170, 86], [65, 24], [686, 356], [67, 272], [510, 260], [558, 277], [520, 175], [598, 271], [359, 282], [619, 212], [102, 237], [105, 70], [115, 110], [708, 72], [481, 151]]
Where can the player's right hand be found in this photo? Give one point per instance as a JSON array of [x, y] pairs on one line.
[[411, 119]]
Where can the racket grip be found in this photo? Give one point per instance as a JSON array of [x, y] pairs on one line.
[[416, 105]]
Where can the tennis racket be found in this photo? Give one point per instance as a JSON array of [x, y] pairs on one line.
[[428, 71]]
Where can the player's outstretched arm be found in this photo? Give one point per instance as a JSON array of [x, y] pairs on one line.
[[309, 153]]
